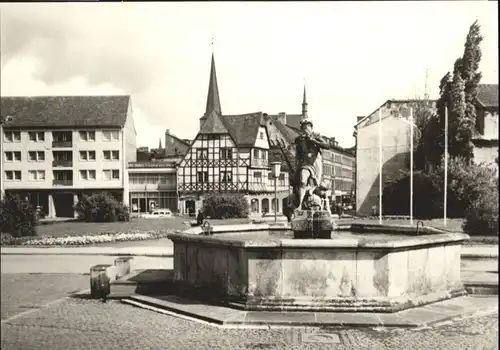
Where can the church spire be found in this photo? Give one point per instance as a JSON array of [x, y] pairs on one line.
[[304, 104], [159, 144], [213, 102]]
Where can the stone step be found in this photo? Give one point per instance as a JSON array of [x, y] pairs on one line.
[[480, 282], [144, 281]]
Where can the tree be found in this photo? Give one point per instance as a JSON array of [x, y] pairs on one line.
[[458, 93], [17, 217], [468, 69], [459, 124], [423, 115]]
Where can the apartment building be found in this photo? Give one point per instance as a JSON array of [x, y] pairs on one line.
[[57, 148]]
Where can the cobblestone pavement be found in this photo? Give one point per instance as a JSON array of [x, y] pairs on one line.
[[22, 292], [89, 324]]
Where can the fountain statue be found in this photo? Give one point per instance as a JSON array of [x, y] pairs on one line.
[[312, 217]]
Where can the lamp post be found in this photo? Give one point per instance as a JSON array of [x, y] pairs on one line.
[[2, 172], [276, 168]]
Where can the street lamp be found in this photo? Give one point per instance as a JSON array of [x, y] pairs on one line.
[[276, 168], [2, 172]]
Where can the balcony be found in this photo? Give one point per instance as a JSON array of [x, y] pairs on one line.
[[62, 163], [261, 163], [62, 182], [62, 144]]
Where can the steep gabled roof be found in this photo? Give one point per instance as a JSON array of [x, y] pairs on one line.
[[487, 95], [243, 128], [213, 100], [288, 132], [65, 111], [214, 125]]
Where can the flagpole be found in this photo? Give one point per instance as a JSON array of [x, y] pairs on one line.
[[411, 166], [380, 167], [445, 200]]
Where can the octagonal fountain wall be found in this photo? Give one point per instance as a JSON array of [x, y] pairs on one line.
[[351, 272]]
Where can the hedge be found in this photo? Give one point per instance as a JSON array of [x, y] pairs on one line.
[[225, 206]]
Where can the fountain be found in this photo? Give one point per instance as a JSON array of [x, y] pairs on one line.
[[370, 268], [310, 267]]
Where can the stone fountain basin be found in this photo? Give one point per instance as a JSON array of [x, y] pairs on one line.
[[363, 270]]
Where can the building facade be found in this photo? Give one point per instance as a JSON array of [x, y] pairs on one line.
[[394, 116], [57, 148], [230, 154], [153, 183], [485, 136]]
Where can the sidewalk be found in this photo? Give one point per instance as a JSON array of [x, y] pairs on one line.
[[480, 252], [474, 252], [106, 251]]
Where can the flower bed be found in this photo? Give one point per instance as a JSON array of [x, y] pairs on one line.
[[84, 239]]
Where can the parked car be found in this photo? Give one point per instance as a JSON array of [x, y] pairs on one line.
[[159, 214]]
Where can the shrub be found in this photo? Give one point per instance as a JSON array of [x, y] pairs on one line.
[[481, 216], [466, 184], [427, 199], [225, 206], [17, 217], [101, 207]]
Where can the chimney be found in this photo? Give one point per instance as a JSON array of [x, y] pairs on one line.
[[282, 117], [167, 132], [359, 118]]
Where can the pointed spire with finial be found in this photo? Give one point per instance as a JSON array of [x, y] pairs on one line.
[[159, 144], [213, 101], [304, 103]]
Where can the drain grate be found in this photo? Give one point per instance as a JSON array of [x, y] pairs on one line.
[[323, 338], [263, 346]]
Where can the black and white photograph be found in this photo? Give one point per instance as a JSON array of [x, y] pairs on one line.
[[249, 175]]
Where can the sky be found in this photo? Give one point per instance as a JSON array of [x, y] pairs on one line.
[[352, 56]]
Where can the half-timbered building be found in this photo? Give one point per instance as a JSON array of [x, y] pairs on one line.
[[229, 154]]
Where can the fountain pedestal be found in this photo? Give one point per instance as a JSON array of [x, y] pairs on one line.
[[310, 224]]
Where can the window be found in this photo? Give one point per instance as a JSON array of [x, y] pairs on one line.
[[202, 153], [87, 155], [13, 156], [110, 135], [202, 176], [263, 154], [226, 153], [87, 135], [87, 174], [256, 153], [36, 156], [261, 135], [36, 175], [111, 174], [226, 176], [36, 136], [12, 136], [257, 176], [13, 175], [111, 155]]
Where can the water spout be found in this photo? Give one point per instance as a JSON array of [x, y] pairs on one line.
[[419, 224]]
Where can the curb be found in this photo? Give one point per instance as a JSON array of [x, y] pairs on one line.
[[231, 317], [479, 256], [170, 253]]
